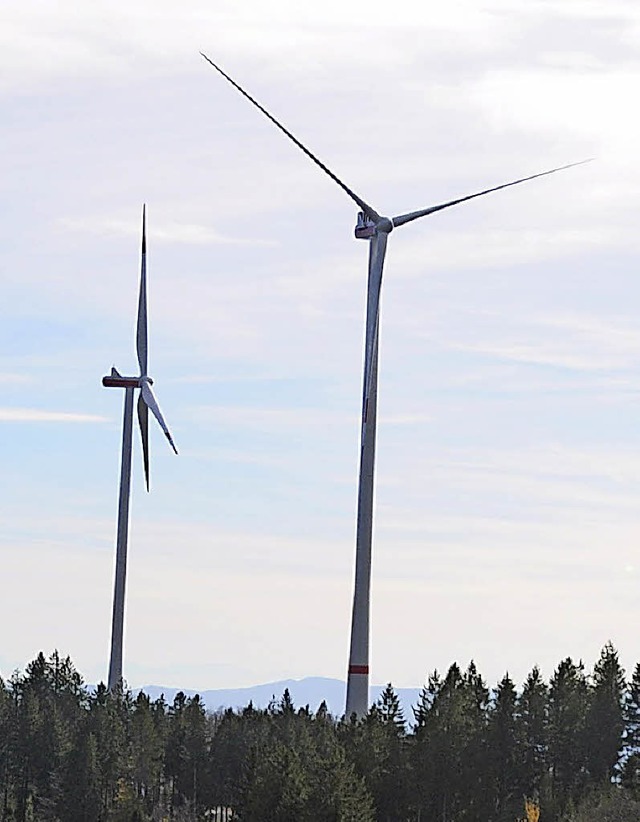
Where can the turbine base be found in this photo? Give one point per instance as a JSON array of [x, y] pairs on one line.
[[357, 691]]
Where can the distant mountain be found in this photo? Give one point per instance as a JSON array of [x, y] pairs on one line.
[[309, 691]]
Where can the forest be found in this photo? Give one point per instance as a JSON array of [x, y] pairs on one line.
[[566, 750]]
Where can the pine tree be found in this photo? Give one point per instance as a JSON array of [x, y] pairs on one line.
[[285, 781], [609, 804], [605, 719], [532, 732], [7, 745], [383, 739], [426, 699], [421, 762], [502, 753], [147, 751], [339, 794], [568, 707], [390, 711], [285, 706], [630, 765], [107, 721], [474, 788], [196, 743], [450, 748], [49, 701], [186, 754], [322, 713], [81, 798]]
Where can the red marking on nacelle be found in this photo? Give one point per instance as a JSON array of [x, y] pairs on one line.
[[358, 669]]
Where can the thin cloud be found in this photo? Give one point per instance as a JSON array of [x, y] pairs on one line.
[[40, 415], [460, 250], [581, 342], [14, 379], [187, 233], [270, 418], [534, 354], [406, 419], [105, 42]]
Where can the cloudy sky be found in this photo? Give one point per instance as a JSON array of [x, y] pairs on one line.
[[508, 487]]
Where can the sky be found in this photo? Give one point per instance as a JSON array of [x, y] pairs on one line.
[[507, 516]]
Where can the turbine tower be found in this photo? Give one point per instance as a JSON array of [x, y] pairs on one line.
[[375, 228], [146, 401]]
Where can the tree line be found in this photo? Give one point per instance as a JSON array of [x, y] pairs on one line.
[[569, 748]]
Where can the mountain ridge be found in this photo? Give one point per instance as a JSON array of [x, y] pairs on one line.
[[311, 691]]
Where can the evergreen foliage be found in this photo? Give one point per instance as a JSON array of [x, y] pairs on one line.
[[503, 753], [572, 747], [605, 717], [567, 737], [533, 727], [607, 805], [630, 764]]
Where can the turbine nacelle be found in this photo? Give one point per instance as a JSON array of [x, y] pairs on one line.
[[117, 380], [366, 228]]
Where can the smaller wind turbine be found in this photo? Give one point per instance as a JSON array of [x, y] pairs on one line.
[[146, 401]]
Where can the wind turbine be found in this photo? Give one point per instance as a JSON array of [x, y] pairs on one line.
[[373, 227], [146, 402]]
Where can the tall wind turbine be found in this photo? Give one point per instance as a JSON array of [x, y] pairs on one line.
[[146, 402], [373, 227]]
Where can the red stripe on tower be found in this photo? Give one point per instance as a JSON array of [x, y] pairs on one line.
[[358, 669]]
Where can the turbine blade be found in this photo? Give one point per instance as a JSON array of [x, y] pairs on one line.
[[414, 215], [147, 395], [143, 419], [141, 334], [370, 212], [377, 251]]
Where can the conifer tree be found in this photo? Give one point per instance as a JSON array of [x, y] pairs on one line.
[[278, 786], [630, 760], [568, 708], [474, 786], [450, 747], [390, 711], [196, 742], [605, 719], [532, 723], [147, 751], [383, 739], [426, 699], [609, 804], [322, 714], [502, 753], [186, 751], [422, 765], [107, 721], [7, 747], [81, 792], [49, 700]]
